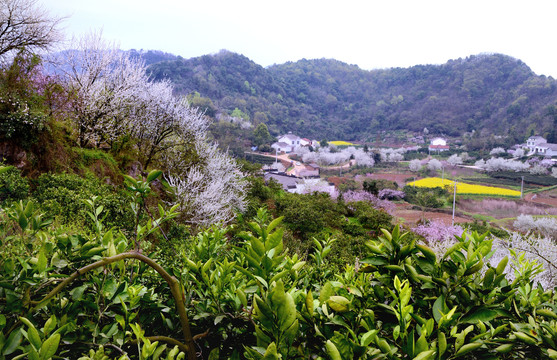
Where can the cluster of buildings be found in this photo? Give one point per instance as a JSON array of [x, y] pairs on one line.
[[536, 145], [292, 175], [539, 145]]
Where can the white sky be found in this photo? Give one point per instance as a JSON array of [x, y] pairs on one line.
[[371, 34]]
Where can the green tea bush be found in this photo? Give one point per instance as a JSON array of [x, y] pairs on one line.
[[369, 217], [62, 196], [424, 197], [308, 214], [13, 186]]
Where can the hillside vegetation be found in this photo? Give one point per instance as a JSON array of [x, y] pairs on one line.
[[329, 99]]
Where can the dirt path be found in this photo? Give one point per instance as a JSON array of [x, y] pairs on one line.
[[541, 198]]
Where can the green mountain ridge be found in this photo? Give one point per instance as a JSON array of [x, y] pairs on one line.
[[326, 98]]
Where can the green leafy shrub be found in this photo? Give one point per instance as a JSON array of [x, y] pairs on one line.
[[369, 217], [426, 197], [13, 186], [63, 196], [69, 294], [308, 214]]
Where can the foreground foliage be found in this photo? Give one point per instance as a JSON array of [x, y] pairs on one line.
[[83, 294]]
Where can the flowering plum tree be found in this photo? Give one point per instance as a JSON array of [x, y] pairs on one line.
[[454, 160], [377, 203], [434, 165], [113, 97], [210, 190], [500, 164], [415, 165], [103, 84], [497, 151], [518, 153], [437, 231]]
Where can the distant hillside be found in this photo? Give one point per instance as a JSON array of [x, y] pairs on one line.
[[330, 99], [151, 56]]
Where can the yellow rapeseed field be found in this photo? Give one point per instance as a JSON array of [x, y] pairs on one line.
[[463, 188], [340, 143]]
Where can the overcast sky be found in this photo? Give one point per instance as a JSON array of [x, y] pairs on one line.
[[371, 34]]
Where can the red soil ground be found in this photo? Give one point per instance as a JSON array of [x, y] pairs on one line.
[[410, 217]]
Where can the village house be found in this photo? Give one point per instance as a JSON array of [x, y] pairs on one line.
[[288, 183], [547, 149], [287, 143], [305, 142], [282, 147], [290, 139], [534, 141], [438, 144], [540, 146]]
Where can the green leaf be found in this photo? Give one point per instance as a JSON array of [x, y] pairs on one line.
[[22, 221], [50, 346], [368, 337], [505, 348], [284, 305], [130, 180], [439, 308], [427, 252], [332, 350], [442, 341], [488, 278], [326, 292], [375, 260], [502, 265], [274, 224], [482, 313], [271, 352], [77, 293], [309, 303], [43, 261], [13, 342], [31, 355], [465, 349], [339, 303], [153, 175], [421, 344], [32, 334], [424, 355]]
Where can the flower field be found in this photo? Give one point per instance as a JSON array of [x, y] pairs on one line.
[[463, 188], [341, 143]]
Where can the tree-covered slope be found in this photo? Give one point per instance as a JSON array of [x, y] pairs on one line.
[[328, 98]]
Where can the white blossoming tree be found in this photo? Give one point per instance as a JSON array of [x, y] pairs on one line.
[[434, 165], [454, 160], [415, 165], [113, 97], [104, 84]]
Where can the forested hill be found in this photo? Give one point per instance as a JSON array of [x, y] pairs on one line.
[[330, 99]]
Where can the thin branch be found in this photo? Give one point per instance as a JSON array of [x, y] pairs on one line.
[[175, 289]]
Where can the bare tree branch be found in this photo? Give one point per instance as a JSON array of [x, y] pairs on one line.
[[26, 26]]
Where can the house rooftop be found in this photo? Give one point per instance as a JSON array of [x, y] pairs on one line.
[[287, 182], [549, 146], [291, 136]]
